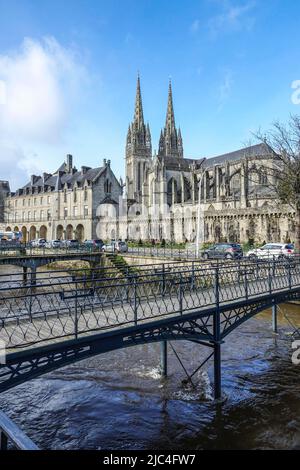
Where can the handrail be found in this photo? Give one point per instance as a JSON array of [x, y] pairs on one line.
[[10, 431]]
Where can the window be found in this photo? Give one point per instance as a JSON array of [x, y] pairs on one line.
[[65, 195], [42, 215], [34, 201], [65, 212], [42, 200], [75, 211], [85, 196], [263, 178], [75, 195], [29, 215], [23, 202], [34, 215], [107, 186], [29, 201], [49, 199], [86, 211], [48, 214]]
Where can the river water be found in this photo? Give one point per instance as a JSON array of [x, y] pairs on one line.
[[119, 401]]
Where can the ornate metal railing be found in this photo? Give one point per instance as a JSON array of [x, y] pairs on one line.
[[69, 304]]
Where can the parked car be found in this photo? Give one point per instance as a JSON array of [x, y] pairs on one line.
[[121, 247], [54, 244], [272, 251], [224, 251], [109, 247], [38, 243], [94, 244], [71, 243], [115, 246]]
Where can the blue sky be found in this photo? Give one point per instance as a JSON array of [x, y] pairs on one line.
[[68, 75]]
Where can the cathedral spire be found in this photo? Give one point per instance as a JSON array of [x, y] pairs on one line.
[[170, 118], [138, 110], [170, 143]]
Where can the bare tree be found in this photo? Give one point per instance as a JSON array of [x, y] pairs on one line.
[[284, 141]]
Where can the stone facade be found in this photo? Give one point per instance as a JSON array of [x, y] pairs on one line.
[[236, 199], [62, 205], [4, 192]]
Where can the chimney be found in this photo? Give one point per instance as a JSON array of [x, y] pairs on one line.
[[104, 162], [84, 169], [69, 163], [33, 179], [45, 176]]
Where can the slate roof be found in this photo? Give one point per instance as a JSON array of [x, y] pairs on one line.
[[258, 150], [174, 163], [58, 179]]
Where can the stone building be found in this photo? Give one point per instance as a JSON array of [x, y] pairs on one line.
[[236, 199], [4, 192], [62, 205]]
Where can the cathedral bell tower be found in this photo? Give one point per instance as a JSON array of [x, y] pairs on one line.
[[138, 150], [170, 141]]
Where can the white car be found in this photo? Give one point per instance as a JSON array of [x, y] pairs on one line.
[[272, 251], [115, 246], [38, 243], [54, 244]]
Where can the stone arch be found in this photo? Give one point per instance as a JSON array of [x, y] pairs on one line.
[[43, 232], [174, 192], [16, 229], [79, 233], [69, 232], [24, 234], [235, 182], [59, 232], [8, 229], [187, 196], [32, 233], [113, 234], [217, 232]]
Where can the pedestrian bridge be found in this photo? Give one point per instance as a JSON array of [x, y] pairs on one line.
[[65, 317]]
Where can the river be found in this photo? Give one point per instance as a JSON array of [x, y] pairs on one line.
[[119, 401]]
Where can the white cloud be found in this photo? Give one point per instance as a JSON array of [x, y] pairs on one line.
[[40, 84], [194, 28], [233, 17], [224, 89]]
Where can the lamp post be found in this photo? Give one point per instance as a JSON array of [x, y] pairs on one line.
[[199, 216]]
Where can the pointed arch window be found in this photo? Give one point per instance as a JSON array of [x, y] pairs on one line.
[[107, 186]]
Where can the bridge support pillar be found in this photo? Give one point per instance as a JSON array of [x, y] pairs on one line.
[[274, 318], [164, 358], [24, 275], [33, 276], [217, 372]]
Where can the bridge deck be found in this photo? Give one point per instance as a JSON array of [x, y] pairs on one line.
[[52, 312]]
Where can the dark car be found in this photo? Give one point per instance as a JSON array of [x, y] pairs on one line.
[[71, 243], [93, 244], [224, 251]]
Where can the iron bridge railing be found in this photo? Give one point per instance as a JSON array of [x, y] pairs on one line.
[[69, 304]]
